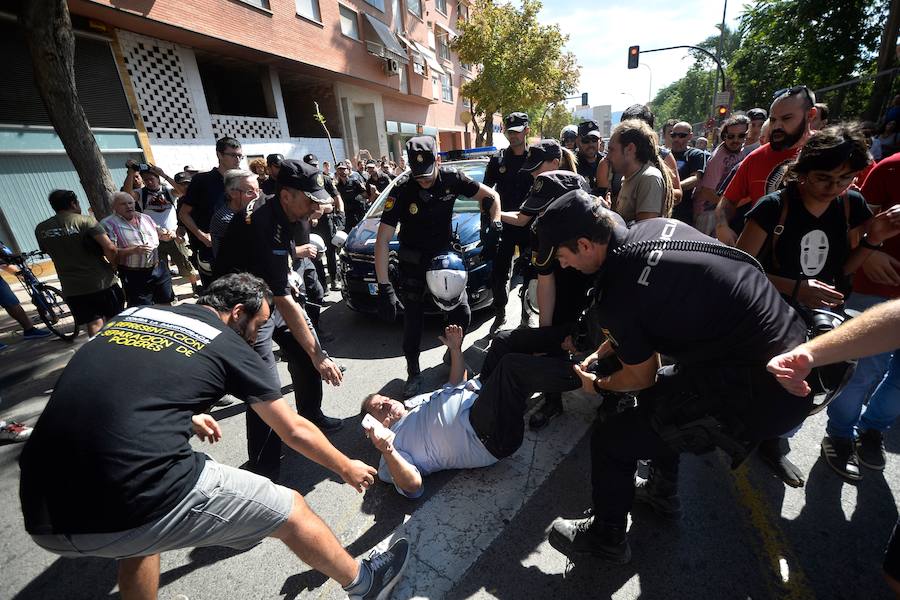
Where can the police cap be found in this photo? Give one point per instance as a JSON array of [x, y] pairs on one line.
[[421, 155], [548, 187], [273, 160], [540, 152], [516, 121], [587, 128], [311, 159], [306, 178], [567, 218]]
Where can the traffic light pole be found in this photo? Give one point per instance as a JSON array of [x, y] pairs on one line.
[[698, 49]]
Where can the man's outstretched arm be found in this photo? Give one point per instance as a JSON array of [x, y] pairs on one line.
[[452, 338]]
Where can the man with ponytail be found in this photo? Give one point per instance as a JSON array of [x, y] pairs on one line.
[[646, 185]]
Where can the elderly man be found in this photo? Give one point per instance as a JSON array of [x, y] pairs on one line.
[[241, 188], [145, 278], [467, 423]]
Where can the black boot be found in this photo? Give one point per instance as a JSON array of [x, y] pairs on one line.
[[660, 492], [587, 536], [774, 454]]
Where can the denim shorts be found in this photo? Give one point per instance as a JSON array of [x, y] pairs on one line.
[[8, 298], [227, 507]]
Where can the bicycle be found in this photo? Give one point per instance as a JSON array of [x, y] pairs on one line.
[[48, 300]]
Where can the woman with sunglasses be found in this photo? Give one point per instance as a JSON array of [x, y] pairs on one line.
[[811, 235]]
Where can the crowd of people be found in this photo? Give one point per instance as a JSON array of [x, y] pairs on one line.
[[671, 282]]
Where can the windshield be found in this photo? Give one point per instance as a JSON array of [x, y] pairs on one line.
[[472, 168]]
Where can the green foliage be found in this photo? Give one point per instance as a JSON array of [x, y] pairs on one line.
[[557, 118], [814, 42], [688, 99], [522, 64]]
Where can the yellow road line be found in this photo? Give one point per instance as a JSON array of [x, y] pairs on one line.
[[780, 566]]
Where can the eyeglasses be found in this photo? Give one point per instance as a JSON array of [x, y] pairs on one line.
[[794, 90], [251, 193], [680, 135], [732, 136], [236, 155]]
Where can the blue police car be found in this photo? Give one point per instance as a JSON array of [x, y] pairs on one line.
[[357, 258]]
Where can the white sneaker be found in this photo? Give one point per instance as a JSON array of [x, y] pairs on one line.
[[11, 431]]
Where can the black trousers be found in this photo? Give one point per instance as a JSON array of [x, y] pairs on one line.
[[750, 396], [498, 415], [501, 269], [412, 291], [263, 444], [144, 287], [355, 210], [202, 259]]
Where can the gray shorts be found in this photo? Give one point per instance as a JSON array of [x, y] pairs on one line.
[[227, 507]]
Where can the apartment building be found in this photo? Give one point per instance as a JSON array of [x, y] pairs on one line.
[[161, 80]]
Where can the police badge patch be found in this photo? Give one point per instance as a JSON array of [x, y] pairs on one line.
[[389, 203], [413, 209], [420, 158], [320, 179], [502, 170], [538, 184]]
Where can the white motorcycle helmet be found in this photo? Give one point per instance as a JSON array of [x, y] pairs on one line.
[[339, 239], [316, 240], [446, 277]]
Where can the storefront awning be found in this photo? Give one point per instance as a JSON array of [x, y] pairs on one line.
[[377, 31], [414, 53], [430, 58]]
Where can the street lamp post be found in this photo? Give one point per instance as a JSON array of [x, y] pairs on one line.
[[649, 83]]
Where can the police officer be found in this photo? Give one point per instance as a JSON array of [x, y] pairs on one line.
[[589, 155], [353, 194], [328, 224], [663, 287], [504, 173], [273, 162], [260, 241], [422, 200]]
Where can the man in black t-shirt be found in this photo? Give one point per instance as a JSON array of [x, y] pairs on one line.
[[260, 240], [139, 489], [376, 180], [353, 193], [691, 163], [205, 195], [589, 155], [422, 201], [504, 173], [662, 287]]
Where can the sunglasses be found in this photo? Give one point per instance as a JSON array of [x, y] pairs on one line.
[[732, 136], [680, 135], [589, 139], [792, 91]]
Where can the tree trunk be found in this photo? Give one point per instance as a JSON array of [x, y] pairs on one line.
[[886, 60], [51, 42]]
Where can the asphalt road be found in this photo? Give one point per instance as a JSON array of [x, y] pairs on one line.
[[482, 534]]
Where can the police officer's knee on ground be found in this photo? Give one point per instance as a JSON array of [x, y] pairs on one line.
[[730, 322], [423, 202]]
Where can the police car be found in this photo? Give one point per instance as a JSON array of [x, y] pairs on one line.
[[357, 258]]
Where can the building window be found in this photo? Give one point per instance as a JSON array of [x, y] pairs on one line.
[[441, 5], [379, 4], [419, 69], [446, 88], [349, 22], [309, 9], [221, 79], [435, 88], [462, 11], [442, 44], [404, 80], [415, 7], [263, 4]]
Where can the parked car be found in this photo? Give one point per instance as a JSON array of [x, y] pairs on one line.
[[357, 258]]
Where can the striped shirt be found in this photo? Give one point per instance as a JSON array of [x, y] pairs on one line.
[[139, 231]]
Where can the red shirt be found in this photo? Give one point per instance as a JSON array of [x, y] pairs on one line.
[[759, 174], [881, 189]]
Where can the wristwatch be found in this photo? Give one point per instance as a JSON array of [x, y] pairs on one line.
[[864, 242]]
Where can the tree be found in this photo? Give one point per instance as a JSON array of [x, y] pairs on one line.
[[48, 33], [814, 42], [557, 117], [521, 63], [887, 58]]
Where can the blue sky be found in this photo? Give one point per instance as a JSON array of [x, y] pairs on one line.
[[600, 33]]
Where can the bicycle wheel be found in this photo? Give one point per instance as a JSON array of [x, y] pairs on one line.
[[55, 313]]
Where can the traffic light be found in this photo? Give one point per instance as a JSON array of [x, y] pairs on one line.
[[584, 99], [721, 111], [634, 53]]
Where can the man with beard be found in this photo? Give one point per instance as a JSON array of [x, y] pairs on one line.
[[139, 489], [723, 160], [504, 173], [691, 163], [589, 155], [760, 173]]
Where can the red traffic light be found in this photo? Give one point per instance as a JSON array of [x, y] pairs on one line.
[[722, 110], [634, 54]]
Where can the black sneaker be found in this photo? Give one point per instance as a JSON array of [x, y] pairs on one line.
[[384, 569], [667, 505], [582, 536], [327, 424], [840, 454], [413, 385], [870, 450], [542, 417], [499, 319], [775, 457]]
